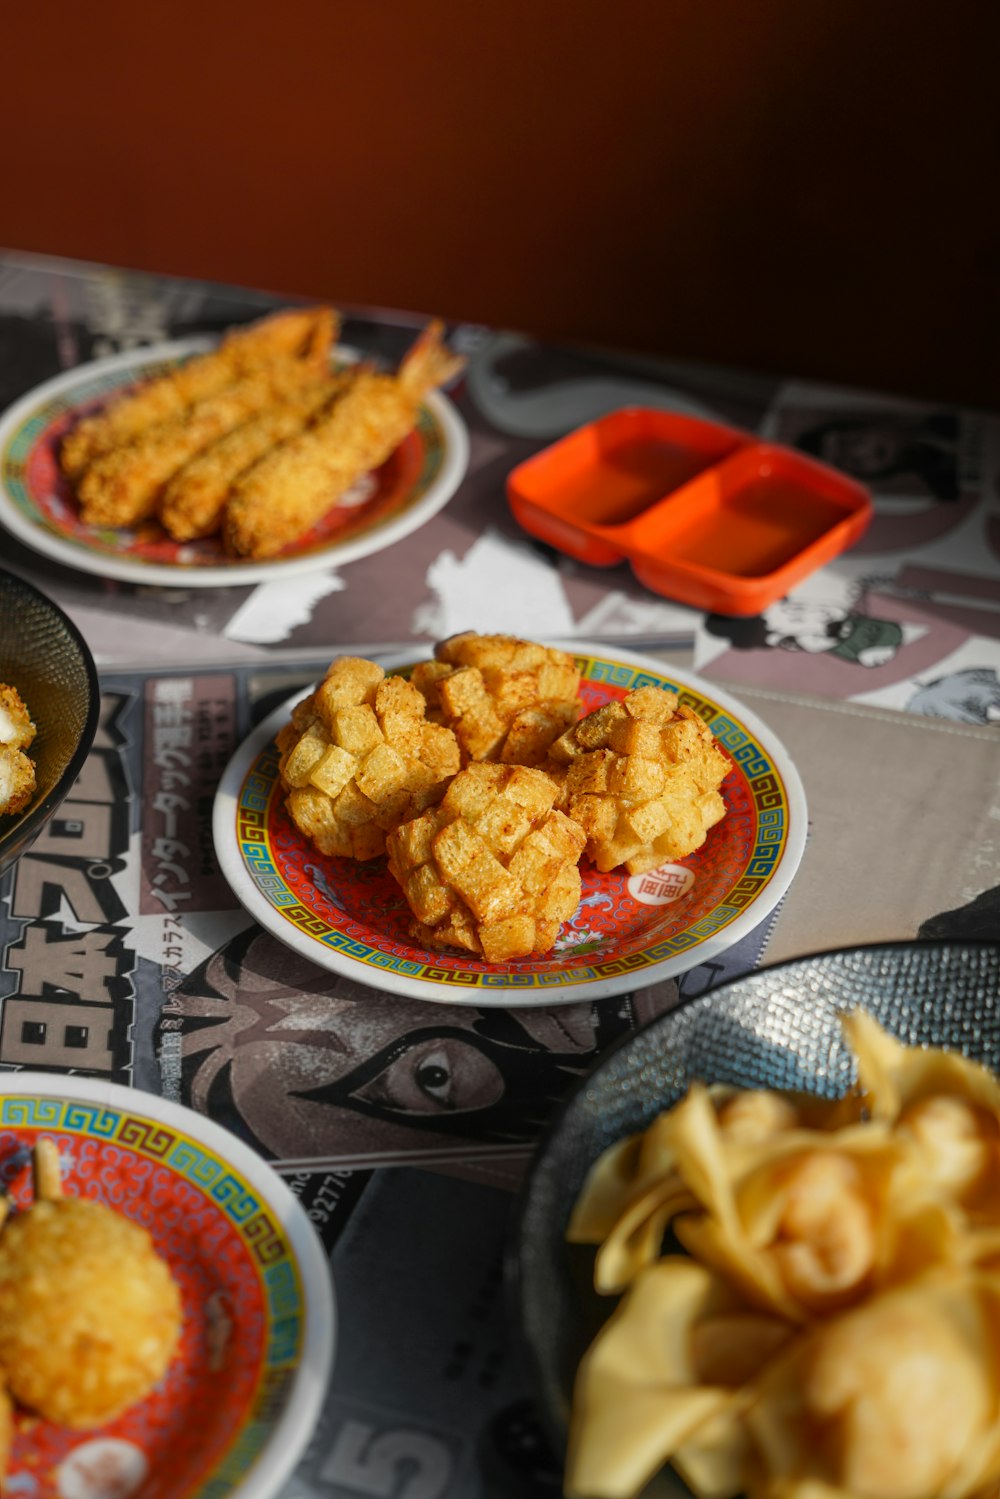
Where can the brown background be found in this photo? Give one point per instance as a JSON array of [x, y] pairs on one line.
[[804, 186]]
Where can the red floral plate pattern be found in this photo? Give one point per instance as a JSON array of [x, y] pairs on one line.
[[237, 1404], [628, 931], [37, 504]]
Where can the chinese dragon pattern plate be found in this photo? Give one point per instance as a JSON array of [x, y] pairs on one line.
[[628, 931], [238, 1404], [37, 504]]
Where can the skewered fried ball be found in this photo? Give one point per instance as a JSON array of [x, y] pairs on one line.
[[89, 1314]]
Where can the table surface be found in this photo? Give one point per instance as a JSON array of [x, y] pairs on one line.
[[880, 675]]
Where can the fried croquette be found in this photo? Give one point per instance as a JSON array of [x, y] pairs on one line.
[[642, 777], [493, 869], [506, 699], [359, 757], [193, 502], [307, 335], [17, 770], [90, 1315], [287, 492], [124, 486]]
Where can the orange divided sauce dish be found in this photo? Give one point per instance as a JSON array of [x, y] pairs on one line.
[[705, 514]]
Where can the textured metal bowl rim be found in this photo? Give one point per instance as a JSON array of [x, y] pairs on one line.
[[26, 828], [522, 1207]]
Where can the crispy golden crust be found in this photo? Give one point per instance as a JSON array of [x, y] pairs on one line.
[[193, 502], [642, 778], [89, 1314], [291, 489], [124, 486], [359, 757], [306, 335], [17, 770], [493, 869], [506, 699]]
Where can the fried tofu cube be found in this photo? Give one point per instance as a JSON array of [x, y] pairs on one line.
[[642, 778], [356, 729], [506, 699], [349, 680], [302, 758], [333, 770], [362, 741], [500, 853]]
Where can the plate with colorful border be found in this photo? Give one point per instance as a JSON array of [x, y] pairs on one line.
[[629, 931], [37, 504], [238, 1404]]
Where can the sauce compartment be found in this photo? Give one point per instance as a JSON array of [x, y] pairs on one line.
[[705, 514], [579, 493]]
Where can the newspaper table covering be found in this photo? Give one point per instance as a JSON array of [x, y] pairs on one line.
[[403, 1127], [909, 618]]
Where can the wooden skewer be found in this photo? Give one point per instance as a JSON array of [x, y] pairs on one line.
[[46, 1172]]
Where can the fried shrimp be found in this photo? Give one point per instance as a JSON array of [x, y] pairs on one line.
[[292, 488], [193, 502], [307, 335], [124, 486], [90, 1315]]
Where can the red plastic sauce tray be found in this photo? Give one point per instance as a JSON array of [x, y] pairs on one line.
[[705, 514]]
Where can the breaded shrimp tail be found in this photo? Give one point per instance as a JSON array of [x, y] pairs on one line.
[[429, 363], [307, 336], [287, 492]]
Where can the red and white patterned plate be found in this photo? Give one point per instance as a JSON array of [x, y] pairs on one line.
[[37, 504], [238, 1404], [628, 931]]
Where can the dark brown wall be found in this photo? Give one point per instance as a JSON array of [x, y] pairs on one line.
[[804, 186]]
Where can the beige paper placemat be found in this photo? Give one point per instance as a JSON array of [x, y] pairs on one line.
[[904, 822]]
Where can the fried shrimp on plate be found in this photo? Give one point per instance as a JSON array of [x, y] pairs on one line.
[[124, 485], [90, 1315], [306, 335], [193, 502], [287, 492]]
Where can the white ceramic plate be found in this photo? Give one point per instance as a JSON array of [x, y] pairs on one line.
[[37, 505], [629, 931], [238, 1405]]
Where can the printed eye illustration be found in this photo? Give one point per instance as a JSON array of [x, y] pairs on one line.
[[436, 1076]]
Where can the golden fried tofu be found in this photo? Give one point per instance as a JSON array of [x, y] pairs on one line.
[[493, 868], [359, 757], [17, 770], [90, 1315], [642, 778], [506, 699]]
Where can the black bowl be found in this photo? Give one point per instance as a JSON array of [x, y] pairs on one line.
[[44, 656], [775, 1028]]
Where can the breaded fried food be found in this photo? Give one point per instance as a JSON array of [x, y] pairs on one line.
[[194, 499], [90, 1315], [359, 757], [124, 486], [17, 770], [506, 699], [307, 335], [493, 869], [292, 488], [642, 778]]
